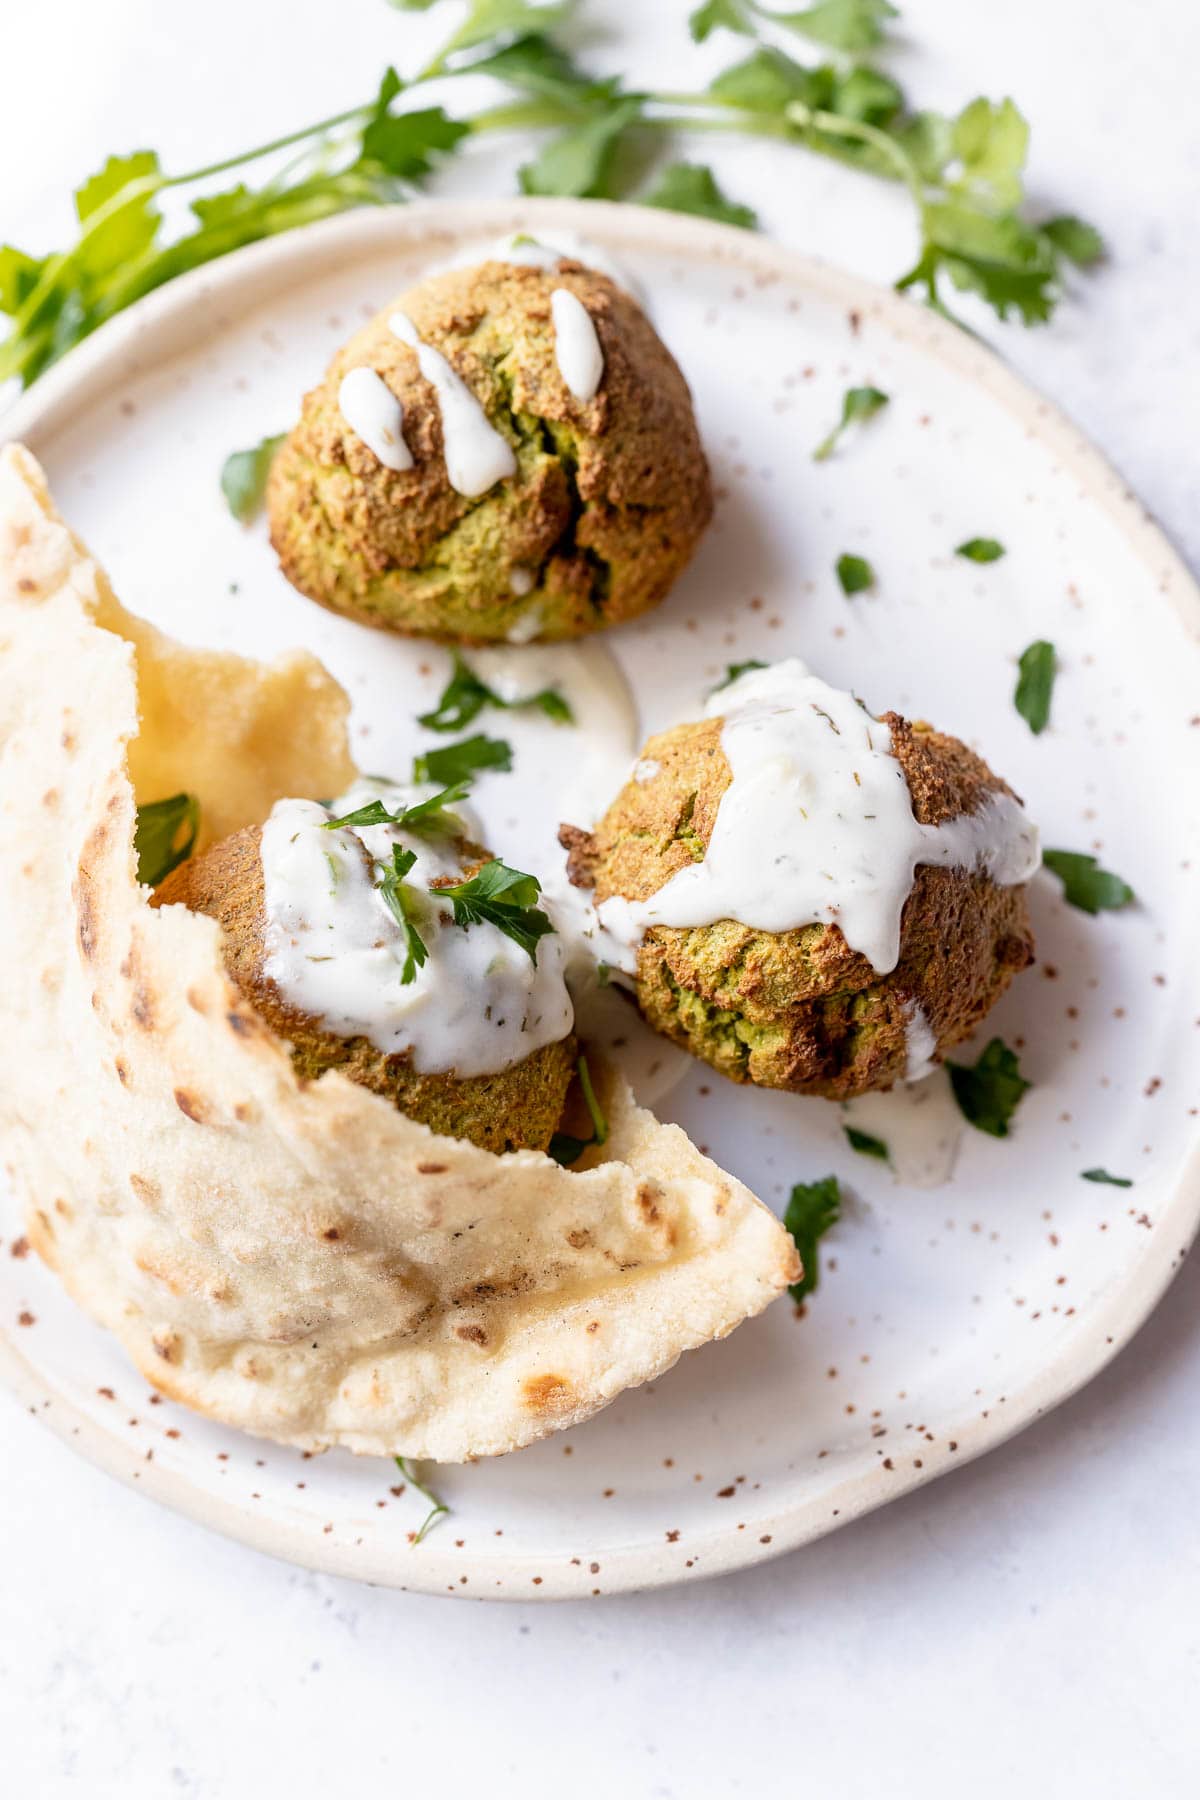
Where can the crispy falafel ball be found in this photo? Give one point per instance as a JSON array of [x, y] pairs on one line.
[[800, 1010], [604, 511], [517, 1108]]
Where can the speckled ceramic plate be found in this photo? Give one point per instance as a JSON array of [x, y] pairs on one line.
[[984, 1280]]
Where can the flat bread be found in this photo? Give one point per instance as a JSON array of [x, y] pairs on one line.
[[299, 1260]]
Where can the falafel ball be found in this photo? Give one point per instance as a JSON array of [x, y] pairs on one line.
[[600, 513], [517, 1108], [800, 1010]]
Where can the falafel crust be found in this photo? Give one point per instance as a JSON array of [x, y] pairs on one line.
[[605, 509], [800, 1010], [517, 1108]]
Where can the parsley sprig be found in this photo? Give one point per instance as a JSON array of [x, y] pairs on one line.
[[503, 897], [434, 814], [437, 1508], [964, 173], [403, 904]]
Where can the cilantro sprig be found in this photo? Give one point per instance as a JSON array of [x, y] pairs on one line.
[[465, 695], [963, 172], [165, 836], [503, 897], [813, 1208]]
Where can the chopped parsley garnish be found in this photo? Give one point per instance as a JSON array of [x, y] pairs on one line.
[[734, 671], [981, 550], [566, 1149], [1035, 685], [813, 1208], [404, 905], [858, 405], [855, 574], [865, 1144], [459, 762], [989, 1092], [244, 478], [433, 814], [503, 897], [436, 1507], [1103, 1175], [1085, 884], [465, 696], [165, 836]]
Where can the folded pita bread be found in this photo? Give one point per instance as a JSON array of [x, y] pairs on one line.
[[298, 1260]]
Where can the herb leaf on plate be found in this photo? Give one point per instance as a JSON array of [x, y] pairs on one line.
[[244, 477], [459, 762], [858, 405], [990, 1090], [165, 836], [814, 1206], [865, 1144], [1085, 884], [855, 574], [1121, 1181], [436, 1507], [692, 188], [1035, 685], [980, 550], [734, 671], [465, 696]]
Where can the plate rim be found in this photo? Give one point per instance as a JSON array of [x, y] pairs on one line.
[[143, 332]]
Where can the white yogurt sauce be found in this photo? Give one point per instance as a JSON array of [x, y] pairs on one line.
[[477, 457], [374, 414], [334, 950], [817, 825], [576, 345], [921, 1126], [920, 1045]]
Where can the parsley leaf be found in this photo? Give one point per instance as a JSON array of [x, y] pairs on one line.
[[244, 478], [768, 80], [165, 836], [981, 550], [858, 405], [990, 143], [1078, 241], [1121, 1181], [465, 696], [458, 762], [734, 670], [566, 1149], [734, 15], [503, 897], [436, 1507], [989, 1093], [1085, 884], [407, 144], [865, 1144], [1035, 685], [855, 574], [849, 25], [813, 1208], [432, 814], [403, 905], [579, 162], [692, 188]]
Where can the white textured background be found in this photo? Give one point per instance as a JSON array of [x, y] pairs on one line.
[[1034, 1621]]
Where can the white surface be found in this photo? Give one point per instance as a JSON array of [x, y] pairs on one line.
[[1033, 1618]]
